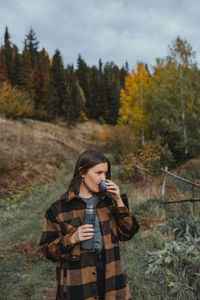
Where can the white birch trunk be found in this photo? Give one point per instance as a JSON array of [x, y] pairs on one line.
[[183, 117]]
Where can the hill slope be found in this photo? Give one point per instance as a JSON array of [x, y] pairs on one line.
[[31, 150]]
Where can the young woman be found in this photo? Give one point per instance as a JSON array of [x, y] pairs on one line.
[[96, 273]]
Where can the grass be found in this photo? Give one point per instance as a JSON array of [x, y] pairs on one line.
[[25, 274], [32, 150]]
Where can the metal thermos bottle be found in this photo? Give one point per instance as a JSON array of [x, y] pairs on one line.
[[102, 186], [89, 218]]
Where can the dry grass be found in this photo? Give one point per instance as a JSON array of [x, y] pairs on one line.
[[34, 150]]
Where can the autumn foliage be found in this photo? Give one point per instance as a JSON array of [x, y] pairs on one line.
[[15, 103]]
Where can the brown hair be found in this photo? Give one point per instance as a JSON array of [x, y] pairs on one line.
[[87, 160]]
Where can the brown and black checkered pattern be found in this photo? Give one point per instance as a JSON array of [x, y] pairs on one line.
[[76, 271]]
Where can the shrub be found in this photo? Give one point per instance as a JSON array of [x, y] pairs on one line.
[[128, 170], [15, 103], [122, 142], [153, 156], [177, 264]]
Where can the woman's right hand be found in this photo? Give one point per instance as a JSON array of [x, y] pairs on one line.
[[84, 232]]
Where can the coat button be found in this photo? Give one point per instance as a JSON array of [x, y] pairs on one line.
[[93, 273], [74, 257]]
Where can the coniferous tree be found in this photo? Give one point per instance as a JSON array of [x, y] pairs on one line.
[[45, 82], [25, 76], [111, 93], [3, 67], [76, 94], [61, 102], [32, 44], [8, 55], [41, 81], [16, 68], [82, 73], [94, 89]]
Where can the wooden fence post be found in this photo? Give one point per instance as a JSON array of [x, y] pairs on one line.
[[164, 182], [193, 196]]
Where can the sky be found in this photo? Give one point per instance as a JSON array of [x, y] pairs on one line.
[[113, 30]]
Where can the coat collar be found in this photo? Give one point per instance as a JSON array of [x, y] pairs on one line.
[[72, 195]]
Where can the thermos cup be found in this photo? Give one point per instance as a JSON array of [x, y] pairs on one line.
[[102, 186], [89, 218]]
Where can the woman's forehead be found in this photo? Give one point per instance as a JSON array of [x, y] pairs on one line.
[[101, 167]]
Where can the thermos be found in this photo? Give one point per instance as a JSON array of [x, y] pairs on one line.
[[102, 186], [89, 218]]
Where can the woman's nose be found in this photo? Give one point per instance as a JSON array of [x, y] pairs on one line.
[[103, 177]]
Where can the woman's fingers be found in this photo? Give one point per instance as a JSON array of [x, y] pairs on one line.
[[112, 187], [85, 232]]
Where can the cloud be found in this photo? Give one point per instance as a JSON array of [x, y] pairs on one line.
[[116, 30]]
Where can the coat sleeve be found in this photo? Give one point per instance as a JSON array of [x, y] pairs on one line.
[[127, 225], [53, 243]]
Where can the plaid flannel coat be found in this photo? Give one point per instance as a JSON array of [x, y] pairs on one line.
[[76, 271]]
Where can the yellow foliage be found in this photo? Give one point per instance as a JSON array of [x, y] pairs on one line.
[[106, 132], [128, 169], [153, 156], [83, 116], [15, 103], [101, 136], [171, 284], [134, 99]]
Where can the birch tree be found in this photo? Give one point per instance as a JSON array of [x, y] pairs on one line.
[[134, 100]]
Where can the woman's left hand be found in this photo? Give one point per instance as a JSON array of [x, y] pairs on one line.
[[114, 191]]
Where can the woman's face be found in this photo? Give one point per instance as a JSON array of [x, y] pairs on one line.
[[93, 177]]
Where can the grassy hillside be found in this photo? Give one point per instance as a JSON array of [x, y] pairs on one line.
[[34, 150]]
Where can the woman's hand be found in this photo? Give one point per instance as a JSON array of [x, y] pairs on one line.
[[114, 191], [84, 232]]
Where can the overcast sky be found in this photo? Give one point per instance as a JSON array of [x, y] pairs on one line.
[[113, 30]]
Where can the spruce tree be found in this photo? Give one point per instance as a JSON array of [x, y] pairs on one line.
[[3, 67], [32, 44], [8, 55], [82, 73], [25, 77], [61, 102], [16, 68], [76, 94]]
